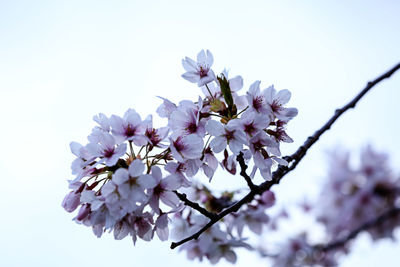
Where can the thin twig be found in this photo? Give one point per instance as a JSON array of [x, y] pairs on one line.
[[353, 234], [243, 173], [195, 206], [293, 160]]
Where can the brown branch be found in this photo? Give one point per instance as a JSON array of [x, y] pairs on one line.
[[293, 160], [195, 206], [243, 173], [353, 234]]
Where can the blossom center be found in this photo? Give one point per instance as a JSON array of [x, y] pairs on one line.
[[257, 102], [108, 153], [229, 135], [191, 128], [130, 131], [249, 128], [203, 71], [179, 146]]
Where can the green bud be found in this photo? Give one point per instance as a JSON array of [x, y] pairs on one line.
[[226, 90]]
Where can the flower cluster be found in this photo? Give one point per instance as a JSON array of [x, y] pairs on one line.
[[128, 173], [352, 200], [298, 251], [358, 194], [221, 239]]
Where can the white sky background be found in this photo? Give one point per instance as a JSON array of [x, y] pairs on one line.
[[63, 62]]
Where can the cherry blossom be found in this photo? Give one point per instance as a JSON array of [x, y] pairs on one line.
[[138, 180], [199, 72]]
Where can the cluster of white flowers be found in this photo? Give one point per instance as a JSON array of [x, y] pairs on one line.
[[126, 176]]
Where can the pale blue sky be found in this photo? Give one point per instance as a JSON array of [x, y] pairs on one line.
[[61, 62]]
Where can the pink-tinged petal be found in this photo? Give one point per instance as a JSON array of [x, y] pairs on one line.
[[75, 148], [147, 181], [285, 138], [120, 176], [240, 101], [96, 136], [240, 137], [282, 97], [97, 230], [268, 141], [211, 161], [83, 212], [191, 77], [140, 140], [87, 196], [156, 173], [71, 201], [209, 172], [255, 227], [218, 144], [166, 108], [287, 114], [124, 190], [94, 150], [172, 167], [274, 150], [201, 57], [163, 132], [268, 198], [134, 239], [111, 161], [144, 231], [206, 79], [240, 225], [154, 203], [171, 182], [169, 198], [230, 256], [137, 195], [235, 146], [95, 205], [121, 230], [103, 121], [260, 162], [178, 117], [117, 123], [162, 227], [254, 88], [236, 83], [194, 147], [162, 233], [108, 140], [214, 128], [266, 174], [132, 117], [210, 58], [189, 64], [108, 188], [269, 94], [175, 152], [192, 167], [136, 168]]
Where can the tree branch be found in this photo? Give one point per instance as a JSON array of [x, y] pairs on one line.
[[243, 173], [195, 206], [293, 160], [353, 234]]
